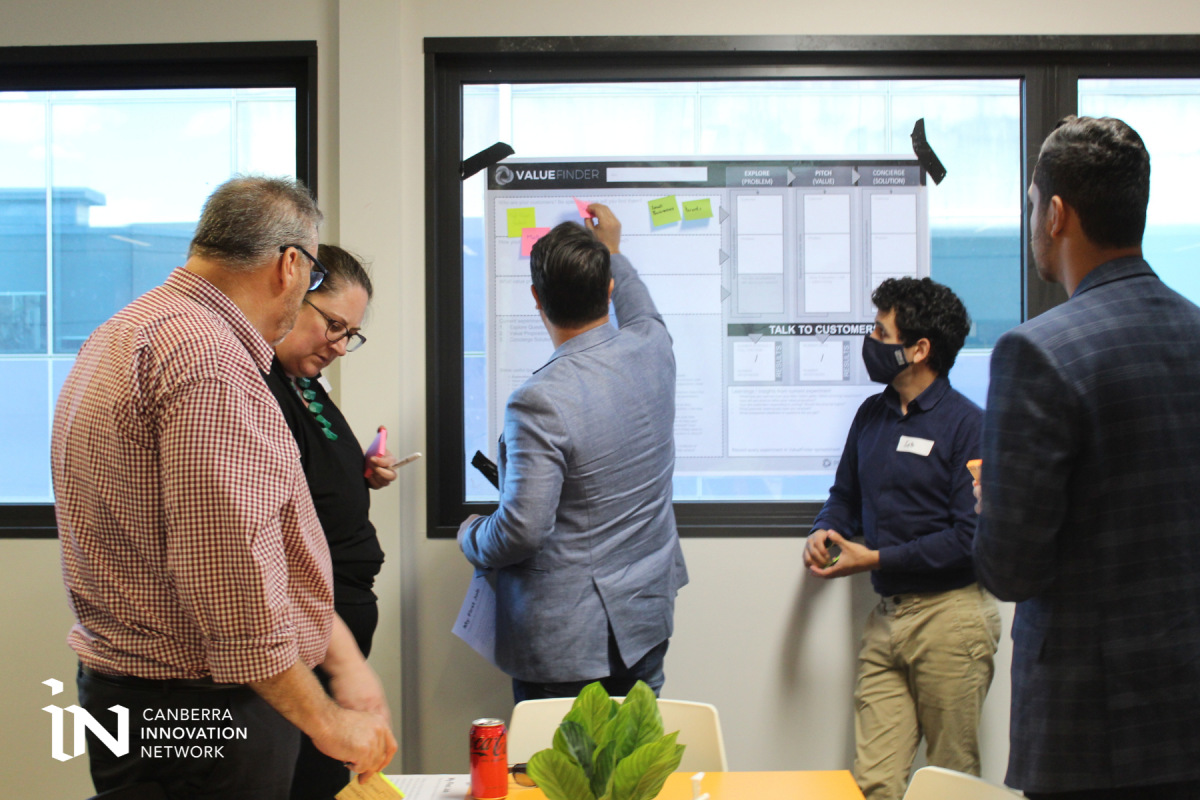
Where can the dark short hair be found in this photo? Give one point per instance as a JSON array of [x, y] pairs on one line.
[[345, 269], [571, 271], [249, 217], [926, 309], [1100, 168]]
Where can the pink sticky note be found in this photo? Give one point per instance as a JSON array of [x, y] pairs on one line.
[[529, 236], [582, 206]]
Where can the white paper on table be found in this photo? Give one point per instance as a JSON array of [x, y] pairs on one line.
[[476, 623], [433, 787]]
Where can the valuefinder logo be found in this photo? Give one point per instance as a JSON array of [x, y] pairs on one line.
[[83, 721]]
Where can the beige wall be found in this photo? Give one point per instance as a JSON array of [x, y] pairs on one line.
[[772, 650]]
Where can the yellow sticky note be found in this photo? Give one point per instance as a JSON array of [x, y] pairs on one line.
[[664, 210], [377, 787], [697, 209], [519, 219]]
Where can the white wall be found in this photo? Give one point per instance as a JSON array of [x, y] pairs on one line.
[[772, 650]]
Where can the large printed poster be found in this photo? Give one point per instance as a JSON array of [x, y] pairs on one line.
[[763, 273]]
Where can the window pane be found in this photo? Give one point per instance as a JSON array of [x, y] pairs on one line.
[[974, 215], [1166, 113], [22, 224], [128, 173]]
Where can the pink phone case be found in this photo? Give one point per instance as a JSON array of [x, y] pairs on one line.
[[377, 447]]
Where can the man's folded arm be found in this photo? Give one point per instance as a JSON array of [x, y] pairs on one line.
[[222, 493], [842, 511], [536, 465], [1030, 440]]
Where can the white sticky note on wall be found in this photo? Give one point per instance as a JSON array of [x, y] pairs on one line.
[[827, 252], [760, 254], [894, 253], [826, 293], [822, 361], [760, 213], [893, 213], [826, 213], [754, 361]]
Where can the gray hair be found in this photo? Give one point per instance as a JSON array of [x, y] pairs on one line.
[[249, 217]]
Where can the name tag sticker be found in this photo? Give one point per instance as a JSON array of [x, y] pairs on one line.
[[915, 445]]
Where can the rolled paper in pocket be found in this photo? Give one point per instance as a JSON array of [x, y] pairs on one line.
[[974, 466]]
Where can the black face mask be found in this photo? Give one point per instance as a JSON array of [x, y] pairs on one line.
[[884, 361]]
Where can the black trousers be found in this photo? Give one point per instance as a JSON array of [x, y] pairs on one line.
[[1188, 790], [617, 683], [319, 777], [197, 742]]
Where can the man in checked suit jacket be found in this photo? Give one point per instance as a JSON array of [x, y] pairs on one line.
[[1091, 491]]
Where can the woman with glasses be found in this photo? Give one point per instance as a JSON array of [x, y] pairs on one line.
[[326, 329]]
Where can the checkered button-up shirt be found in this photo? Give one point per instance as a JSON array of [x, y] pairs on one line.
[[189, 542]]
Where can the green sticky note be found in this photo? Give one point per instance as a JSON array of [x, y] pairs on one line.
[[697, 209], [519, 219], [664, 210]]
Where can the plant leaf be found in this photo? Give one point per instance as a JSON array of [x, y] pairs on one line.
[[558, 777], [643, 705], [592, 708], [642, 774], [579, 744]]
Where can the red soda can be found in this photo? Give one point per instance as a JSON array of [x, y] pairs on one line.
[[489, 759]]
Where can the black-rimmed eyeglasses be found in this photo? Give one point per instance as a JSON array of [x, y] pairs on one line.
[[336, 330], [315, 276]]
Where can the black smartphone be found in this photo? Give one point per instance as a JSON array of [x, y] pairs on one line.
[[487, 467]]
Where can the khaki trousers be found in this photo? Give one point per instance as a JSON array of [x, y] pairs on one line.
[[924, 669]]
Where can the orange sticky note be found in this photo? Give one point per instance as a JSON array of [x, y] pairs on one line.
[[582, 206], [529, 237]]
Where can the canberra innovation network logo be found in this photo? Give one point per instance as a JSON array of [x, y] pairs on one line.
[[181, 740]]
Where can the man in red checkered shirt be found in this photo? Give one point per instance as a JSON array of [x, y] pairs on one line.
[[194, 563]]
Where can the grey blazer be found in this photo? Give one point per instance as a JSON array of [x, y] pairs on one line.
[[1091, 521], [584, 537]]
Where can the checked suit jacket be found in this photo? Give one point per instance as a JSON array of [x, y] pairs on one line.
[[1091, 522]]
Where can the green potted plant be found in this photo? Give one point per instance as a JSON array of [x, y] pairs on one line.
[[605, 750]]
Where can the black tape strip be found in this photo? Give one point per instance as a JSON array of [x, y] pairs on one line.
[[484, 159], [925, 154]]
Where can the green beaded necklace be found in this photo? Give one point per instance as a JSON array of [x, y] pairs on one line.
[[316, 408]]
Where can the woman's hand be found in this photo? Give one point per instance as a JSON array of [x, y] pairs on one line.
[[383, 470]]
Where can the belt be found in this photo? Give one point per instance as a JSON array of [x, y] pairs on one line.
[[185, 684]]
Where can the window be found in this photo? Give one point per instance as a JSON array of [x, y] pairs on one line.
[[100, 191], [974, 125], [1165, 112]]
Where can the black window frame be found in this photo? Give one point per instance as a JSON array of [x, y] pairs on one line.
[[219, 65], [1048, 67]]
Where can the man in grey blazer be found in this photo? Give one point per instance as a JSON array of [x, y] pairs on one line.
[[586, 556], [1091, 491]]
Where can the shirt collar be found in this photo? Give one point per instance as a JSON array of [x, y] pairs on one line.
[[584, 341], [1115, 270], [193, 287], [925, 401]]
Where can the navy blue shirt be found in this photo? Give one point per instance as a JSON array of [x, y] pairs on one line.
[[917, 510]]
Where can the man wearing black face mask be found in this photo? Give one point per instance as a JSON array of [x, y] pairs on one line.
[[926, 660]]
